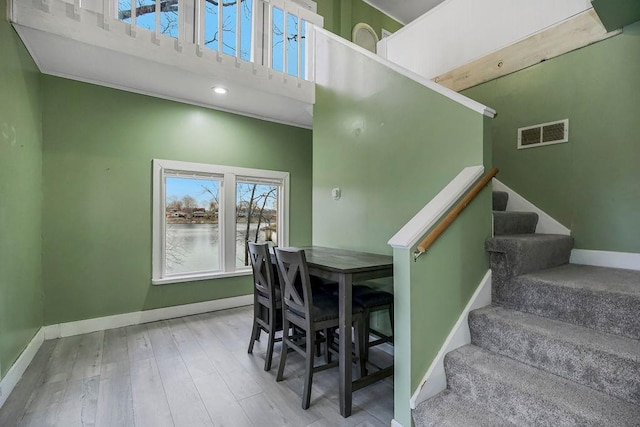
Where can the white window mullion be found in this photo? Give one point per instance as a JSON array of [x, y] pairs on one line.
[[238, 30], [285, 32], [220, 29], [299, 46], [228, 252], [132, 31], [269, 39], [107, 8], [283, 212], [254, 30], [199, 17], [156, 34]]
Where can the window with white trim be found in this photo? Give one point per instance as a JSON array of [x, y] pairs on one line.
[[272, 33], [204, 215]]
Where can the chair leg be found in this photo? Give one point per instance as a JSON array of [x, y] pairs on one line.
[[318, 344], [393, 335], [360, 346], [272, 338], [306, 394], [365, 335], [283, 353], [328, 336], [254, 335]]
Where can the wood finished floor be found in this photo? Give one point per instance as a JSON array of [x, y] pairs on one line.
[[191, 371]]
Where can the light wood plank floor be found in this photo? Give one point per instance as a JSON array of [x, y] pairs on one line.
[[191, 371]]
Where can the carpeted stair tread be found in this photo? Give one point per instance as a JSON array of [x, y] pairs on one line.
[[448, 409], [524, 253], [500, 199], [602, 361], [606, 299], [525, 395], [600, 279], [505, 223]]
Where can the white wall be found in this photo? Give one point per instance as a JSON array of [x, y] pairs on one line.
[[459, 31]]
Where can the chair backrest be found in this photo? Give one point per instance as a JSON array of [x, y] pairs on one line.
[[295, 283], [263, 279]]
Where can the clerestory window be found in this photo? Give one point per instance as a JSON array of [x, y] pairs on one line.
[[270, 33], [204, 216]]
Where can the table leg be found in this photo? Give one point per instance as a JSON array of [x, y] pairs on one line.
[[345, 344]]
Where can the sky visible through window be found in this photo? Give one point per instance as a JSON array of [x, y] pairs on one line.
[[146, 18], [204, 191]]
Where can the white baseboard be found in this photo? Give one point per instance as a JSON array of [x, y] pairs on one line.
[[435, 380], [394, 423], [546, 224], [628, 260], [127, 319], [17, 370], [109, 322]]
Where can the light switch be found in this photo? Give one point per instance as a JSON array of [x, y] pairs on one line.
[[336, 193]]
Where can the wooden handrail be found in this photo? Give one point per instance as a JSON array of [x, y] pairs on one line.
[[451, 216]]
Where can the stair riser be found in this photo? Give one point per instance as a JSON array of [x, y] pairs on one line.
[[607, 312], [505, 223], [604, 371], [512, 258], [509, 401], [500, 199]]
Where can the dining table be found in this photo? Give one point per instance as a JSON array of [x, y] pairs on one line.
[[348, 267]]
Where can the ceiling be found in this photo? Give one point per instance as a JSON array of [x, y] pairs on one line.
[[404, 11]]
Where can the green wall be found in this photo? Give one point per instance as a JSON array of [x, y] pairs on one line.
[[592, 183], [98, 147], [340, 16], [391, 145], [20, 197]]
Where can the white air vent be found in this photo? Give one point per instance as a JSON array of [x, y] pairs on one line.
[[543, 134]]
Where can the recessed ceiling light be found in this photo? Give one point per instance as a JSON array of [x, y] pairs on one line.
[[220, 90]]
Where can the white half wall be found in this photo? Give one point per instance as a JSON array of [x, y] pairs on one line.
[[435, 380], [457, 32]]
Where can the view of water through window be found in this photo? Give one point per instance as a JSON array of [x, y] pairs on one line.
[[192, 233]]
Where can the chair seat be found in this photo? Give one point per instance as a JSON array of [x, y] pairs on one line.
[[367, 297], [325, 307]]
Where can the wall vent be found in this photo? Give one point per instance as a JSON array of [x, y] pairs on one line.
[[543, 134]]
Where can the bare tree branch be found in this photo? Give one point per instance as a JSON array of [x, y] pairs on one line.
[[165, 6]]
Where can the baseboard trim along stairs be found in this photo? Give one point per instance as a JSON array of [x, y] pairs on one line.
[[559, 346]]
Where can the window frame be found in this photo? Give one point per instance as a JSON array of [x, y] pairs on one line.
[[226, 216]]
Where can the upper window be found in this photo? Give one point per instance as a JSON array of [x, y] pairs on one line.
[[271, 33], [205, 215]]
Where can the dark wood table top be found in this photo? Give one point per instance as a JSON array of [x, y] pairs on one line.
[[345, 261]]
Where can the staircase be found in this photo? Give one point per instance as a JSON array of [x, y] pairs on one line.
[[560, 346]]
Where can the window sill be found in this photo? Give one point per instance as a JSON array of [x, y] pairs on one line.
[[199, 277]]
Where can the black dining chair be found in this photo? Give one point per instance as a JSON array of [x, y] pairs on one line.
[[310, 312], [371, 300], [267, 299]]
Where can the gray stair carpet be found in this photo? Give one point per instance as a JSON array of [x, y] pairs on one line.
[[560, 346], [500, 199], [525, 395], [519, 254], [606, 299], [601, 361], [449, 409], [514, 223]]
